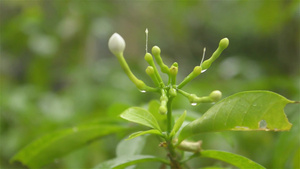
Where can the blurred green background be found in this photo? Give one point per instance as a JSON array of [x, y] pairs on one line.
[[56, 70]]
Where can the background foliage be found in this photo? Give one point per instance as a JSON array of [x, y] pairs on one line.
[[56, 70]]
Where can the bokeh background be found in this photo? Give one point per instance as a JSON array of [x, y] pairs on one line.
[[56, 70]]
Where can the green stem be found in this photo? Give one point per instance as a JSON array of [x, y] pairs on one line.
[[169, 115], [172, 154], [191, 76]]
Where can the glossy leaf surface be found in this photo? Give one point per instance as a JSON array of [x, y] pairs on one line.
[[140, 116], [54, 145], [125, 161], [234, 159], [251, 110]]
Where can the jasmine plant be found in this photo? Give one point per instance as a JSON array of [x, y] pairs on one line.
[[243, 111]]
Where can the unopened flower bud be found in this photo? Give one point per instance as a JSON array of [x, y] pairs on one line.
[[173, 92], [175, 64], [155, 50], [150, 70], [162, 110], [224, 43], [149, 58], [173, 73], [173, 70], [116, 44], [156, 53], [215, 95], [197, 70]]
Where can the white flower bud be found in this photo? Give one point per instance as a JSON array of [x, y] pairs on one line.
[[116, 44]]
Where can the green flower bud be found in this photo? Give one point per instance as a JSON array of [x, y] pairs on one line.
[[163, 97], [173, 92], [163, 102], [155, 50], [156, 53], [175, 64], [149, 58], [197, 71], [163, 110], [224, 43], [151, 72], [173, 73], [173, 70], [116, 44], [215, 95]]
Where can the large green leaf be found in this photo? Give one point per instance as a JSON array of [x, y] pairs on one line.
[[125, 161], [56, 144], [234, 159], [140, 116], [251, 110]]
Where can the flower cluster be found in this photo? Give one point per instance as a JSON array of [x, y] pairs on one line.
[[168, 91]]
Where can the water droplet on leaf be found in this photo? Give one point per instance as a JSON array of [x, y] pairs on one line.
[[143, 91]]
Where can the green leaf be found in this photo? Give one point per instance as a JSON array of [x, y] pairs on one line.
[[56, 144], [130, 147], [291, 137], [140, 116], [251, 110], [178, 124], [296, 161], [139, 133], [154, 110], [125, 161], [116, 109], [234, 159]]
